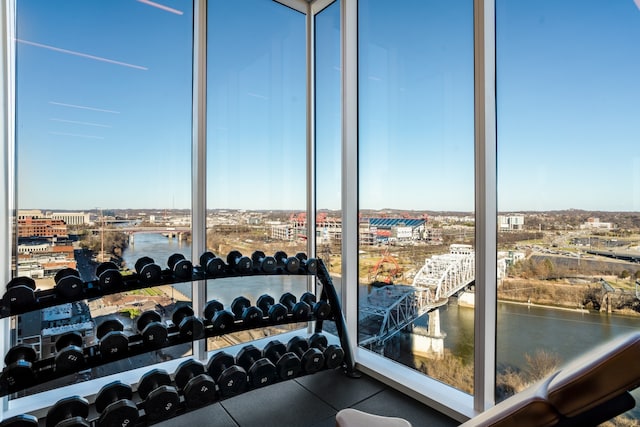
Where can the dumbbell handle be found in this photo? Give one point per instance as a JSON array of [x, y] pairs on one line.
[[251, 360], [299, 351]]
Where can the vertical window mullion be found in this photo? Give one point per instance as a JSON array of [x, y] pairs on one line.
[[7, 156], [199, 156], [349, 37], [486, 203]]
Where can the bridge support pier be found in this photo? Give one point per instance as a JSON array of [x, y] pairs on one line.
[[429, 343]]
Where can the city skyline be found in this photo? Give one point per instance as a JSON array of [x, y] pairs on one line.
[[104, 106]]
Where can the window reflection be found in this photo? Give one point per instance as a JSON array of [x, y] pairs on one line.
[[104, 156], [256, 152], [328, 141]]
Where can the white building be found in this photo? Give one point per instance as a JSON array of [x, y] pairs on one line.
[[72, 218], [510, 222], [594, 223]]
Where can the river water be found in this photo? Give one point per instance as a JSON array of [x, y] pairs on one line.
[[521, 329]]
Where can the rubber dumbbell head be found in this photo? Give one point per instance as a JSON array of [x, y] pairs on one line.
[[161, 400], [20, 294], [261, 370], [288, 365], [320, 309], [212, 265], [231, 378], [310, 265], [69, 355], [189, 325], [312, 358], [109, 276], [115, 405], [333, 354], [181, 267], [19, 371], [263, 263], [239, 263], [243, 310], [276, 312], [70, 411], [148, 270], [22, 420], [299, 310], [69, 285], [221, 319], [198, 388], [113, 343], [287, 263], [154, 332]]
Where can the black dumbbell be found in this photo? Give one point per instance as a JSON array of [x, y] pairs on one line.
[[69, 285], [69, 355], [19, 371], [276, 312], [153, 331], [189, 325], [70, 411], [310, 265], [160, 398], [113, 342], [115, 405], [20, 294], [320, 309], [109, 276], [148, 270], [261, 370], [288, 365], [212, 264], [221, 319], [231, 378], [333, 354], [243, 310], [312, 358], [287, 263], [263, 263], [181, 267], [239, 263], [22, 420], [299, 310], [198, 388]]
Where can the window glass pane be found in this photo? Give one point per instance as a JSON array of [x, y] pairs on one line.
[[104, 159], [256, 145], [328, 141], [569, 182], [416, 185]]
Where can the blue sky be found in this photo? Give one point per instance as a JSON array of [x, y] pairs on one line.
[[104, 105]]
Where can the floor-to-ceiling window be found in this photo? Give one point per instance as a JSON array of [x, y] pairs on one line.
[[103, 143], [256, 146], [416, 185], [568, 182], [328, 140]]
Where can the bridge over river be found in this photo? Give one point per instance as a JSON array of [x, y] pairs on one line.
[[389, 309]]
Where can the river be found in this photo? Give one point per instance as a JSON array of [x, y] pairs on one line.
[[521, 329]]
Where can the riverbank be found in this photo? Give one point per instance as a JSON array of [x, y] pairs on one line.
[[467, 300], [552, 307]]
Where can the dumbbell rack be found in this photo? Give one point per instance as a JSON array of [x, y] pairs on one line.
[[45, 369]]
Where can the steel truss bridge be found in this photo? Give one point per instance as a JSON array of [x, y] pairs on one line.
[[389, 309]]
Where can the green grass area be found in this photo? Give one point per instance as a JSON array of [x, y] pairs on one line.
[[152, 292], [131, 312]]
